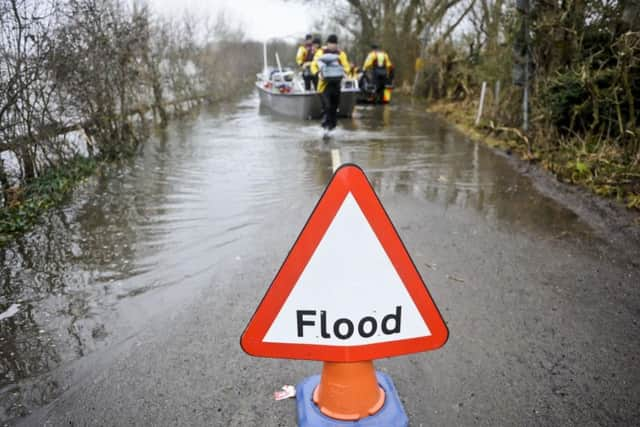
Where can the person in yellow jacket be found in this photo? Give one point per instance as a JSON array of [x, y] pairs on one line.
[[378, 68], [331, 65], [304, 56]]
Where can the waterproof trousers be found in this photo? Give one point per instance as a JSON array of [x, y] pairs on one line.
[[380, 79], [330, 103], [308, 79]]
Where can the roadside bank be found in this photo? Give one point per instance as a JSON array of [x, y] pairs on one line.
[[582, 180], [71, 157]]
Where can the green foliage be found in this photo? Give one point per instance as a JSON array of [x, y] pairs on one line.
[[598, 166], [42, 193], [633, 201], [584, 95], [591, 97], [562, 95], [582, 168]]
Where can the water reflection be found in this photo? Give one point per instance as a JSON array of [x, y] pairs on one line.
[[415, 154], [193, 197]]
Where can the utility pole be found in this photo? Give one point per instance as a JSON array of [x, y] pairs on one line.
[[523, 6], [525, 97]]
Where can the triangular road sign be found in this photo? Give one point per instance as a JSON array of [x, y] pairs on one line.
[[348, 290]]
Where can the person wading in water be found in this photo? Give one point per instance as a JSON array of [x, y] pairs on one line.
[[330, 64], [304, 56], [379, 69]]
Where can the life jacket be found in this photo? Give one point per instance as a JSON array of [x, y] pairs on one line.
[[310, 53], [381, 59], [379, 64], [330, 67]]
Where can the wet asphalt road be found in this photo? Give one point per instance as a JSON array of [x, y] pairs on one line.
[[151, 272]]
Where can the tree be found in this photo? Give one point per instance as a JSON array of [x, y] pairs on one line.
[[25, 90], [396, 25]]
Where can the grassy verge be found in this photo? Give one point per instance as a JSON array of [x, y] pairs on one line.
[[28, 203], [587, 162]]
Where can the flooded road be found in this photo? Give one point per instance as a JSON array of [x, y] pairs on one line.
[[133, 296]]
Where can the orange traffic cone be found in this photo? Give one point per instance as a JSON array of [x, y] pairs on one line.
[[348, 391]]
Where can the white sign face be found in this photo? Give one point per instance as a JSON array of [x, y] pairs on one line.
[[349, 293]]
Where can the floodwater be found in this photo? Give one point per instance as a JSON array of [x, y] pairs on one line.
[[139, 237]]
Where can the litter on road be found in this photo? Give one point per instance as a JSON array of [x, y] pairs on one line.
[[285, 392], [11, 311]]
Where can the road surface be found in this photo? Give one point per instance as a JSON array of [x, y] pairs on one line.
[[134, 295]]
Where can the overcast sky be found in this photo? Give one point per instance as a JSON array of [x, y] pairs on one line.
[[259, 19]]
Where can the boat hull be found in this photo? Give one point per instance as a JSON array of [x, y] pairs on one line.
[[305, 106]]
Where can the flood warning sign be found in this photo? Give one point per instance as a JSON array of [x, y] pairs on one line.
[[348, 289]]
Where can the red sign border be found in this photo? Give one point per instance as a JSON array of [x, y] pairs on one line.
[[348, 178]]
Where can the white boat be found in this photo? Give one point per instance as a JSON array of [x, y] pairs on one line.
[[282, 91]]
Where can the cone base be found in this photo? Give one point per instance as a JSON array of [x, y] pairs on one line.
[[348, 390], [371, 410], [391, 414]]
